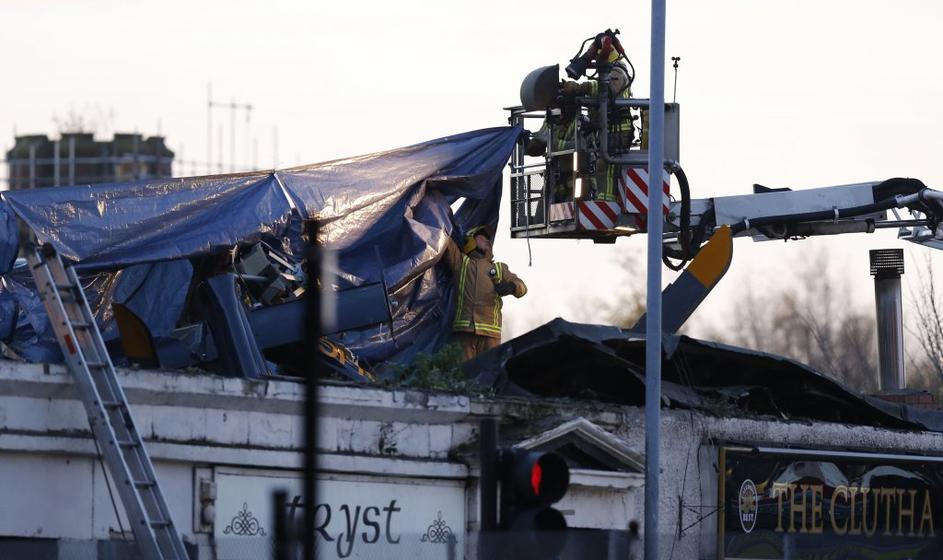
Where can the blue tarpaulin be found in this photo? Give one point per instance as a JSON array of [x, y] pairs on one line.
[[387, 215], [108, 226], [9, 244]]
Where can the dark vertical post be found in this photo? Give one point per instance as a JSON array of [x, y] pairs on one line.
[[136, 146], [232, 135], [488, 491], [489, 474], [453, 544], [32, 166], [280, 524], [653, 325], [56, 172], [312, 341], [209, 129], [71, 160]]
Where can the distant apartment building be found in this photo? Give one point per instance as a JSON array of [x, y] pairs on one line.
[[79, 159]]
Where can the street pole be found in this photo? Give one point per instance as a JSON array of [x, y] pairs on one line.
[[209, 129], [488, 487], [232, 135], [313, 305], [656, 139]]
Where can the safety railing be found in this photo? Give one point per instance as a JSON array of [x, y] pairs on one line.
[[534, 178]]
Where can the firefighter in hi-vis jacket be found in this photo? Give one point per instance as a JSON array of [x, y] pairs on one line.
[[480, 284], [603, 183]]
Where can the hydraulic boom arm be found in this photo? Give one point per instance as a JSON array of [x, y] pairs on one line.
[[786, 214]]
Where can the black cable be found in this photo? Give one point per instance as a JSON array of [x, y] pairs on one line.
[[673, 266], [897, 186], [814, 216], [685, 188], [111, 496], [583, 46], [632, 66], [686, 239], [891, 188]]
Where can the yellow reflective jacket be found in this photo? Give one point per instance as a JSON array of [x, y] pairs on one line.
[[478, 305], [621, 138]]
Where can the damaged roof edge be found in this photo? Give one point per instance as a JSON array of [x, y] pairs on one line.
[[596, 362]]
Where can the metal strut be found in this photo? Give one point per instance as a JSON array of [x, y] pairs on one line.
[[107, 407]]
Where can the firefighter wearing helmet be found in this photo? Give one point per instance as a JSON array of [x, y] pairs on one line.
[[603, 179], [480, 283], [621, 135]]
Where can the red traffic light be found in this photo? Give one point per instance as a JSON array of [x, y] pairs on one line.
[[531, 482], [536, 474], [537, 478]]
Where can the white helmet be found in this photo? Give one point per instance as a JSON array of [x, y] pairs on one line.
[[618, 79]]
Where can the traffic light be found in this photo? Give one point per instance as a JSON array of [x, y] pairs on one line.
[[531, 481]]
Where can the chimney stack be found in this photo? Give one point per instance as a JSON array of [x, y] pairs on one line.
[[887, 266]]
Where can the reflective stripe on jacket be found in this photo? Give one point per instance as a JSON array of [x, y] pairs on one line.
[[478, 305], [621, 136]]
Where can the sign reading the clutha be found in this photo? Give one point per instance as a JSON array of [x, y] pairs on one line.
[[789, 504]]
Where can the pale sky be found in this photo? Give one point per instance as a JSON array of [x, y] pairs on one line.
[[797, 94]]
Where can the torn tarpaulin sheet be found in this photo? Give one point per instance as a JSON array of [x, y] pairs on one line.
[[154, 292], [109, 226], [387, 215], [562, 359], [9, 242]]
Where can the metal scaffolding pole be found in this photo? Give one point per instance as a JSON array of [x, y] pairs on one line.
[[71, 160], [209, 129], [246, 155], [232, 136], [653, 311], [32, 166], [233, 106], [56, 172]]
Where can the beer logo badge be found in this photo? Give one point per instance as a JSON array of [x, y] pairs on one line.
[[749, 501]]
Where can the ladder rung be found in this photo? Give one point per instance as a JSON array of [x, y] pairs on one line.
[[80, 339]]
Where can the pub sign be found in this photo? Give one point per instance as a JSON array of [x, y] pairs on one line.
[[795, 504]]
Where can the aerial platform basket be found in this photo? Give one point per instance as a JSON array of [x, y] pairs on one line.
[[538, 211]]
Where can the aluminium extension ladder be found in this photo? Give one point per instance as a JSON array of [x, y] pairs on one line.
[[108, 413]]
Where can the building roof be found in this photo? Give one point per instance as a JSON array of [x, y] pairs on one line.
[[607, 364]]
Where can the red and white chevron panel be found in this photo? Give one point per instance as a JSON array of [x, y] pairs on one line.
[[634, 190], [597, 214], [561, 211]]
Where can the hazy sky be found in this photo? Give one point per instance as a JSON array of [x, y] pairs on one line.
[[796, 94]]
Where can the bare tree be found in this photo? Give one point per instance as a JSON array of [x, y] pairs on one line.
[[91, 118], [629, 303], [812, 320], [926, 369]]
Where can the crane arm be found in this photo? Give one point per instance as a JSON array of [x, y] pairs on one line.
[[786, 214]]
